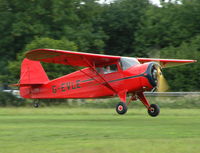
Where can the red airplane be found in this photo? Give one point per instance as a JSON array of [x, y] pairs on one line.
[[104, 76]]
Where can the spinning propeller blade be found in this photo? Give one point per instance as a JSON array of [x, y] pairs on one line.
[[162, 82]]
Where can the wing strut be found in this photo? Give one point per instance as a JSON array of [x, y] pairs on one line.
[[105, 83]]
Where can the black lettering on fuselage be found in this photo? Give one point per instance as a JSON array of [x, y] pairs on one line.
[[68, 85], [73, 86], [78, 83], [54, 90], [63, 87]]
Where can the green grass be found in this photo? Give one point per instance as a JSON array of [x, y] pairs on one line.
[[64, 130]]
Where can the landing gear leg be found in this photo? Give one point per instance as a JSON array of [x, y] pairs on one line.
[[153, 109], [36, 103], [133, 98]]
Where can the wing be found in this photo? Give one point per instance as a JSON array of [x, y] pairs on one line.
[[88, 60], [70, 57], [74, 59], [166, 62]]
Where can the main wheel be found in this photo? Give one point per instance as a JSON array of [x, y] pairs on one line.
[[121, 108], [154, 110]]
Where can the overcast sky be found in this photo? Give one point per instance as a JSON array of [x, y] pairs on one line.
[[153, 1]]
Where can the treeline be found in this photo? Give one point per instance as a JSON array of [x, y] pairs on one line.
[[125, 27]]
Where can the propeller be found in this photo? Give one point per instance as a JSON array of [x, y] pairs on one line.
[[162, 84]]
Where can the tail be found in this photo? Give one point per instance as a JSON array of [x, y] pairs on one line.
[[32, 74]]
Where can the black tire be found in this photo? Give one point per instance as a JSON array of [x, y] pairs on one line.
[[154, 110], [121, 108], [36, 105]]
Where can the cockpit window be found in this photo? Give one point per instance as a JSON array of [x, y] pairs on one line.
[[107, 69], [127, 62], [100, 70], [110, 69]]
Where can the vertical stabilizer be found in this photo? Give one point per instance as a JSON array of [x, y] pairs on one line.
[[32, 73]]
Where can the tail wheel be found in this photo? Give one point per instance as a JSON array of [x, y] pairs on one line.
[[36, 104], [154, 110], [121, 108]]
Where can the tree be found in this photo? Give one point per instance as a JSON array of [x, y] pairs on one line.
[[120, 21], [53, 70], [187, 77], [168, 25]]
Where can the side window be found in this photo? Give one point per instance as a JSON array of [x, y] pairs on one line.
[[100, 70], [110, 69], [107, 69]]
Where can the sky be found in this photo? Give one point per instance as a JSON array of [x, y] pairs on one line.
[[156, 2]]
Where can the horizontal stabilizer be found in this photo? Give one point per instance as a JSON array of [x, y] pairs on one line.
[[24, 85]]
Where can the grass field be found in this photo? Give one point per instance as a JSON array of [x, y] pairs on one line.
[[64, 130]]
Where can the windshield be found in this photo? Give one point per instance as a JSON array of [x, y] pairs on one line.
[[127, 62]]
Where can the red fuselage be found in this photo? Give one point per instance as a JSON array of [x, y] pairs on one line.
[[86, 83]]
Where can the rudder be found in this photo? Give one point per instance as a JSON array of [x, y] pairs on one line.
[[32, 73]]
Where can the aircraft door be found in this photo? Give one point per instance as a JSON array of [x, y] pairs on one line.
[[112, 74]]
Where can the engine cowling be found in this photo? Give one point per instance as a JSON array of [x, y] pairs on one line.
[[151, 72]]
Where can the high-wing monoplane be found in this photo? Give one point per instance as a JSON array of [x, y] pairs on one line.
[[103, 76]]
